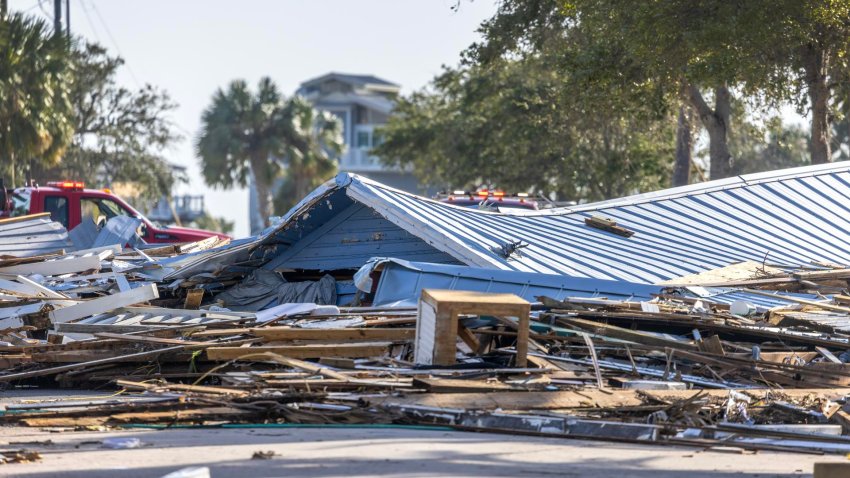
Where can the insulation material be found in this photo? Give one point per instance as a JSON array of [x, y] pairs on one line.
[[263, 289]]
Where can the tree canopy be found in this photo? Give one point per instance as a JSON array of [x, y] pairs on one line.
[[591, 98], [36, 115], [259, 134], [120, 135], [531, 114]]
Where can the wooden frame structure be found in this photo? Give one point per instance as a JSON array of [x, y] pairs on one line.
[[437, 324]]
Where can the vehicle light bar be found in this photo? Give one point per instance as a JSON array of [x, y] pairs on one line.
[[67, 184]]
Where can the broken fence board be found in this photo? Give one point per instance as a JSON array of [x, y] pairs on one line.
[[586, 398], [357, 350], [285, 333], [57, 267], [105, 304]]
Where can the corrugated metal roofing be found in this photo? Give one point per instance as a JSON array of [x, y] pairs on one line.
[[31, 236], [792, 217], [401, 283], [762, 302]]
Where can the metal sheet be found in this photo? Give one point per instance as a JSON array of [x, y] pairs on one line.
[[32, 237], [402, 281], [790, 217]]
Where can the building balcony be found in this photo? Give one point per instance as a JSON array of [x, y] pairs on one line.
[[359, 160], [187, 207]]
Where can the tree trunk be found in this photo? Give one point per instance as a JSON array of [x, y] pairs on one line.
[[817, 64], [263, 184], [716, 123], [684, 148]]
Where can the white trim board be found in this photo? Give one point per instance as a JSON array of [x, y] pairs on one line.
[[105, 304]]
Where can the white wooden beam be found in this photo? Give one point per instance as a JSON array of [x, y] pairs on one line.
[[105, 304], [55, 268]]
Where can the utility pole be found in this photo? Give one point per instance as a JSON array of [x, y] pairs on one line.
[[57, 17], [67, 18]]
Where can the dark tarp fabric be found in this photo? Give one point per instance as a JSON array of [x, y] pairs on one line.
[[263, 289]]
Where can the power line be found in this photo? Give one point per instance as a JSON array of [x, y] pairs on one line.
[[36, 5], [114, 43], [88, 20]]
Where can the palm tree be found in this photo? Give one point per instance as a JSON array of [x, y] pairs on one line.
[[36, 117], [246, 134], [314, 143]]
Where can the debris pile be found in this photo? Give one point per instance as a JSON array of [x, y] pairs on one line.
[[752, 354]]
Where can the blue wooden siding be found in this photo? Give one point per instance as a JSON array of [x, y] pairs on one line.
[[351, 237]]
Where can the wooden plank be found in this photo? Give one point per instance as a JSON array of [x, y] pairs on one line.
[[712, 345], [485, 303], [341, 334], [80, 365], [56, 267], [148, 340], [822, 305], [823, 275], [44, 291], [13, 261], [193, 298], [28, 217], [152, 387], [452, 385], [828, 355], [614, 332], [358, 350], [842, 418], [169, 416], [113, 249], [105, 304], [606, 224], [587, 398], [221, 332], [77, 328]]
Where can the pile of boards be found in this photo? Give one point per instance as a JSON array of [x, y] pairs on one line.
[[683, 368]]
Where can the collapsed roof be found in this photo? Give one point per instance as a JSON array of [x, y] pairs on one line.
[[794, 216]]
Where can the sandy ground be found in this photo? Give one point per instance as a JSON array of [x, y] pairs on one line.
[[366, 452]]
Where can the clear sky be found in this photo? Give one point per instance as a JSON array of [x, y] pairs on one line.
[[191, 47]]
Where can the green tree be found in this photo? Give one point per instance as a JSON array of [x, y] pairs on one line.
[[768, 144], [213, 223], [698, 52], [310, 154], [258, 134], [120, 135], [519, 125], [701, 53], [36, 116], [815, 38]]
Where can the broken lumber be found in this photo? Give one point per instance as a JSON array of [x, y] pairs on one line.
[[105, 304]]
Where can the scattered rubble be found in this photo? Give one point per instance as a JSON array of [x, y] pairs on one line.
[[751, 355]]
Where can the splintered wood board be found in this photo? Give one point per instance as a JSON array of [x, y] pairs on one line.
[[747, 270], [105, 304], [56, 267], [287, 333], [587, 398], [356, 350]]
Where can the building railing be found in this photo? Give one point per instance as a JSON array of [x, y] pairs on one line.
[[188, 208]]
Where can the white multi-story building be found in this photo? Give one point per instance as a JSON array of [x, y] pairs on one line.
[[362, 103]]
